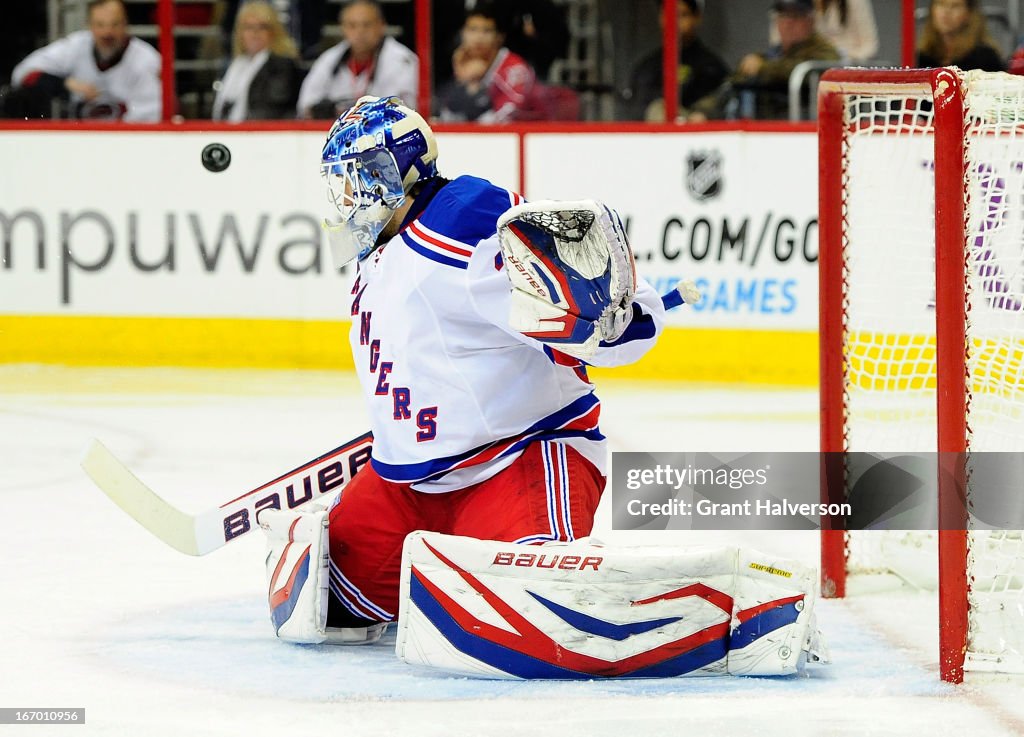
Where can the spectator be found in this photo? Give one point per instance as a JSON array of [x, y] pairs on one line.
[[700, 72], [490, 83], [305, 21], [262, 81], [956, 34], [849, 25], [366, 62], [102, 72], [759, 88], [537, 30]]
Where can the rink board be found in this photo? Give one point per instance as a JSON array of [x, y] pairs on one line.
[[175, 265]]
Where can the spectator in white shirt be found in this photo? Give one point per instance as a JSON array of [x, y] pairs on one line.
[[366, 62], [104, 72]]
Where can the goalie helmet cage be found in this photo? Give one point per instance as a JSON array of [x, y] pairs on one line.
[[920, 267]]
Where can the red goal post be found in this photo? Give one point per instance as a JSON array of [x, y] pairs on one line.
[[897, 354]]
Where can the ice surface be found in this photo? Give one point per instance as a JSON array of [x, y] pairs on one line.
[[98, 614]]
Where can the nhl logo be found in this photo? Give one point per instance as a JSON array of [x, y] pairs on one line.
[[704, 174]]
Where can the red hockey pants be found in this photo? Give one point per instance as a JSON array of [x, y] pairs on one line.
[[549, 493]]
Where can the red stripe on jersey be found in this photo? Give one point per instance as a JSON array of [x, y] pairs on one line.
[[563, 359], [587, 421], [437, 243]]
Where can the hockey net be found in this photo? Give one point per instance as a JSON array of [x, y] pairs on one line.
[[922, 287]]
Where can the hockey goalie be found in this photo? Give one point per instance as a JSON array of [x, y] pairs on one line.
[[475, 316]]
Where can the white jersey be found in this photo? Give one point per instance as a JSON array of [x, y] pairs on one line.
[[454, 394], [133, 82], [394, 72]]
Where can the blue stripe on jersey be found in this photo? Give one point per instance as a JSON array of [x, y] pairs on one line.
[[432, 470], [466, 210], [672, 300], [433, 255], [548, 428], [577, 408]]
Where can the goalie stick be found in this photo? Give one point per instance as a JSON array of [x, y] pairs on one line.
[[205, 532]]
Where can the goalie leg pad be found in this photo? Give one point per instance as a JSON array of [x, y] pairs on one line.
[[582, 610], [298, 580], [773, 627]]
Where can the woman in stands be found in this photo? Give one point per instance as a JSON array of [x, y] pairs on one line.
[[262, 82], [956, 35]]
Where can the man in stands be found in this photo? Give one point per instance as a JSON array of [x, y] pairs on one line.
[[699, 73], [760, 85], [490, 83], [102, 72], [366, 62]]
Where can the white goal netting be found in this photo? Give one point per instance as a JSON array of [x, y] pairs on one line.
[[889, 190]]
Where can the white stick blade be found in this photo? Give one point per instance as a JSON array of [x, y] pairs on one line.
[[168, 523]]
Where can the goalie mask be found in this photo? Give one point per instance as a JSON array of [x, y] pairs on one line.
[[375, 152]]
